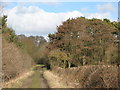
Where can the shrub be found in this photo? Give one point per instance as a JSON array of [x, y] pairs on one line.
[[59, 58]]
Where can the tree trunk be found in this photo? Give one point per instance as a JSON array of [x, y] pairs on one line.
[[64, 63], [69, 64]]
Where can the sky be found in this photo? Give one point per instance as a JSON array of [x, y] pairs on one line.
[[42, 18]]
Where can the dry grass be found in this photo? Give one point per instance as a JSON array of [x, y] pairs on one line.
[[17, 82], [93, 76], [54, 81]]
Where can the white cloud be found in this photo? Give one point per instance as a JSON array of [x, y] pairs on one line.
[[105, 7], [35, 21]]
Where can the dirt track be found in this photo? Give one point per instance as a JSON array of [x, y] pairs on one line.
[[37, 80]]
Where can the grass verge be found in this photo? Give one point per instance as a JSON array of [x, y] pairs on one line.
[[17, 83]]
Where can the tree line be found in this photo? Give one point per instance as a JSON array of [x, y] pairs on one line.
[[33, 45], [77, 42], [83, 41]]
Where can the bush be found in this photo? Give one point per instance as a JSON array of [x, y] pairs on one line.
[[58, 58]]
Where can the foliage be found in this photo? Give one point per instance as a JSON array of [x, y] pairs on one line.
[[4, 20], [9, 33], [27, 44], [35, 46], [106, 20], [86, 41], [59, 58]]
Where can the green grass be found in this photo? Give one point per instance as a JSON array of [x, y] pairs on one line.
[[44, 69], [36, 81], [38, 65]]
